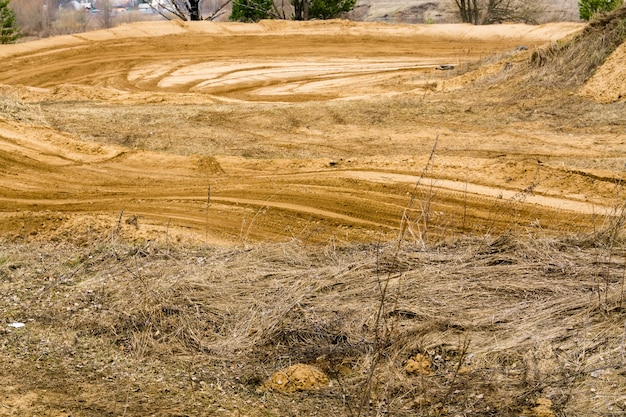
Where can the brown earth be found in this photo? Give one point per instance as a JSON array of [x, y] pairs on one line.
[[329, 138], [291, 130], [607, 84]]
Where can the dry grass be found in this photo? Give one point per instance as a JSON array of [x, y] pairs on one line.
[[18, 111], [137, 328], [571, 62], [561, 68]]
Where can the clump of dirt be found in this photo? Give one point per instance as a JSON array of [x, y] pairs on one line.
[[299, 377], [208, 165], [543, 408], [419, 364]]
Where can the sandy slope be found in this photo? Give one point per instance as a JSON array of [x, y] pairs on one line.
[[609, 83], [283, 129]]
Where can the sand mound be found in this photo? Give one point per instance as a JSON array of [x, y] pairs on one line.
[[608, 84], [71, 92], [296, 378], [419, 364]]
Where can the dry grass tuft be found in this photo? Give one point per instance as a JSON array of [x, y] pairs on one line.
[[14, 110], [500, 325]]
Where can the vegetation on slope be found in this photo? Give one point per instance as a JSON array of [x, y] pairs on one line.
[[571, 62]]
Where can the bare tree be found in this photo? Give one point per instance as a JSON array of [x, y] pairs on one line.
[[486, 12], [469, 10], [106, 13], [499, 11], [283, 9], [187, 9], [36, 17], [29, 15], [219, 9], [301, 9]]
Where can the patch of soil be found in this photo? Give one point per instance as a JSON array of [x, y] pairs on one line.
[[299, 377], [607, 85]]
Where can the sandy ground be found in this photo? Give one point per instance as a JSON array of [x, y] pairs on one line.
[[122, 152], [277, 130], [607, 85]]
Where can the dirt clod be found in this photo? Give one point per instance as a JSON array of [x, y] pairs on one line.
[[299, 377], [543, 408], [419, 364]]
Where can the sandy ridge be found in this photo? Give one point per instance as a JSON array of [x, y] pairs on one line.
[[443, 32], [197, 66]]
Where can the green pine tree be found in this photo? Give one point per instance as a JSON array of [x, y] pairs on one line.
[[588, 8], [9, 30], [329, 9], [251, 10], [321, 9]]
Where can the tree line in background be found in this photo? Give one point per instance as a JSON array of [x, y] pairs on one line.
[[42, 18], [486, 12], [9, 29], [255, 10]]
